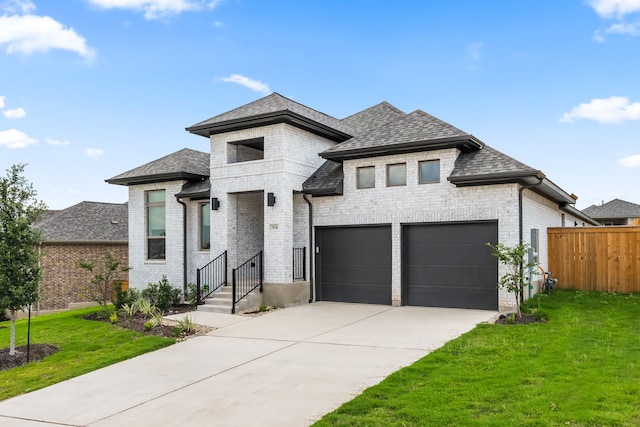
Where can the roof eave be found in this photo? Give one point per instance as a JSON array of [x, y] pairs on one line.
[[467, 143], [162, 177], [284, 116], [580, 215]]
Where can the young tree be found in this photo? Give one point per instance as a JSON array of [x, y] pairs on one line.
[[101, 288], [513, 258], [19, 245]]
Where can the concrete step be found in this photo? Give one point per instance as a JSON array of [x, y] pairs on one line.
[[221, 301]]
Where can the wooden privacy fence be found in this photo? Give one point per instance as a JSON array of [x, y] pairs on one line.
[[596, 259]]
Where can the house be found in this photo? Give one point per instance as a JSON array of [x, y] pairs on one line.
[[85, 231], [615, 212], [387, 207]]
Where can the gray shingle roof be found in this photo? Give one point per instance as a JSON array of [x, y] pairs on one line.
[[327, 180], [616, 208], [87, 222], [486, 162], [276, 108], [417, 131], [196, 189], [373, 117], [183, 164]]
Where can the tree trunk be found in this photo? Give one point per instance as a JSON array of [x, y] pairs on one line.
[[12, 345]]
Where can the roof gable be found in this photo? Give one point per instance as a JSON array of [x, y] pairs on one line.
[[87, 222], [616, 208], [271, 109], [184, 164], [373, 117], [413, 132]]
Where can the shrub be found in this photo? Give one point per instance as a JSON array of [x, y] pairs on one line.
[[191, 296], [162, 294], [186, 325]]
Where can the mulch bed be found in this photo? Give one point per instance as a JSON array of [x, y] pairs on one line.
[[526, 319], [40, 351], [36, 352]]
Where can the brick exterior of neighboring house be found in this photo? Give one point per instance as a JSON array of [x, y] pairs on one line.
[[285, 176], [83, 232]]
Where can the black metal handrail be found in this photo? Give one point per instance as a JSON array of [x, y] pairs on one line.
[[300, 263], [211, 277], [246, 278]]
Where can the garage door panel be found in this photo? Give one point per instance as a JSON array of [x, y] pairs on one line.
[[354, 264], [450, 265], [475, 276], [442, 296]]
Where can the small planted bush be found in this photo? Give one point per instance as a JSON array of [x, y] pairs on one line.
[[162, 294]]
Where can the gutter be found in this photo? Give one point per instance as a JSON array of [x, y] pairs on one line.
[[311, 247], [184, 245]]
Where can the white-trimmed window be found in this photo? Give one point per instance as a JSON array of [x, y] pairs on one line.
[[366, 177], [156, 224], [429, 172], [396, 175], [205, 226]]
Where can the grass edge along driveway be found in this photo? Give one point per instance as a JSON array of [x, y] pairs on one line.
[[581, 368], [83, 345]]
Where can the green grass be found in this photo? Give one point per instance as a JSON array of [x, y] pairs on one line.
[[582, 368], [83, 345]]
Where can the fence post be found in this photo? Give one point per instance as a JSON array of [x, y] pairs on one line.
[[304, 263]]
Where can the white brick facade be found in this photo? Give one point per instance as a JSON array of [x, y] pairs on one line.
[[146, 271]]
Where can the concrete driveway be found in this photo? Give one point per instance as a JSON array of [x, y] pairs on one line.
[[285, 368]]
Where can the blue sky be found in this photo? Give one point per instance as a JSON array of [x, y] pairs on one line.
[[92, 88]]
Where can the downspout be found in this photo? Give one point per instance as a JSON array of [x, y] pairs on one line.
[[540, 177], [311, 247], [184, 245]]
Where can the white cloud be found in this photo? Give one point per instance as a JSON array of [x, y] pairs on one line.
[[632, 29], [16, 113], [29, 33], [474, 51], [615, 8], [94, 152], [631, 161], [21, 7], [247, 82], [13, 138], [155, 9], [51, 141], [598, 37], [2, 98], [606, 110]]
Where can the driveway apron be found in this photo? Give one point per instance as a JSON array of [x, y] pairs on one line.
[[284, 368]]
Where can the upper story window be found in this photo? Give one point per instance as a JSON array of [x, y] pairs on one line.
[[396, 174], [156, 224], [429, 172], [366, 177], [205, 226], [245, 150]]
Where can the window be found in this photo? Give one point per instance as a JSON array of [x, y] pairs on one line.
[[156, 224], [205, 226], [366, 177], [429, 171], [396, 175]]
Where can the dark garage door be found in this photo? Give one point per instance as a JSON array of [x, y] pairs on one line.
[[450, 265], [354, 264]]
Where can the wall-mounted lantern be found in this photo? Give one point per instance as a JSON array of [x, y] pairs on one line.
[[271, 199], [215, 203]]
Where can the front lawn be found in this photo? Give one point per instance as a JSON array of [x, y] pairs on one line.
[[83, 345], [581, 368]]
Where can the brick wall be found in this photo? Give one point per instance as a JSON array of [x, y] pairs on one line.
[[63, 281]]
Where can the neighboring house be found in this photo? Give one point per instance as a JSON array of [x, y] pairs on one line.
[[86, 231], [399, 206], [615, 212]]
